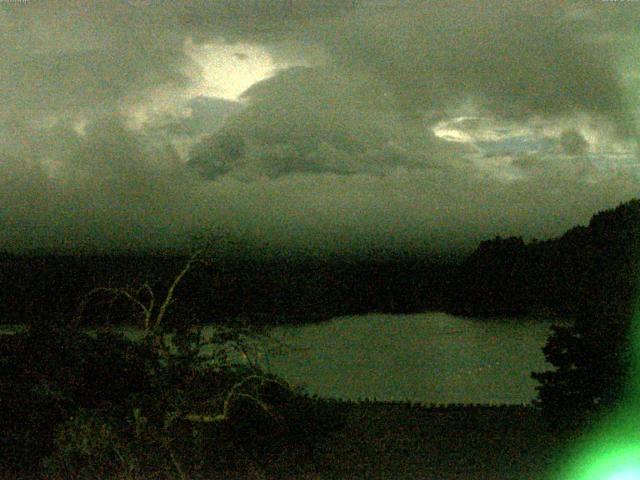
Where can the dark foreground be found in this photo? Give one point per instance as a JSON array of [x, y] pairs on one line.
[[402, 441], [397, 441]]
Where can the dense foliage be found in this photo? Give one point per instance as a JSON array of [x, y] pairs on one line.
[[178, 402], [584, 269], [593, 356], [587, 276], [592, 360], [267, 289]]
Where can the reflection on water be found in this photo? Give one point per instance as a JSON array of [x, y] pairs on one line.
[[430, 357]]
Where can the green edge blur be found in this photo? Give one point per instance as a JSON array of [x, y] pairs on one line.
[[611, 450]]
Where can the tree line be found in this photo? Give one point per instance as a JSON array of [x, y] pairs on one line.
[[559, 277], [283, 289], [565, 276]]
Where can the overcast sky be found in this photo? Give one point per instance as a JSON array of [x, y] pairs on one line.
[[313, 124]]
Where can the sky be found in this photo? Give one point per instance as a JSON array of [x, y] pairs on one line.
[[313, 125]]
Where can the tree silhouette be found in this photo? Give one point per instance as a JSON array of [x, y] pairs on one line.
[[592, 358], [598, 266]]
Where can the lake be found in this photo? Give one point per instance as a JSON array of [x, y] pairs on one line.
[[430, 357]]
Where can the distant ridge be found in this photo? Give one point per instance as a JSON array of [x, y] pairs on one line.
[[593, 264], [505, 277]]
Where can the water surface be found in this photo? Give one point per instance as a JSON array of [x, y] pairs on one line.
[[429, 357]]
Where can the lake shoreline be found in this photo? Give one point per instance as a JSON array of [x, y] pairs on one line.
[[427, 358]]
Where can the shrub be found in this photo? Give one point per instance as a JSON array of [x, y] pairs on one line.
[[102, 405]]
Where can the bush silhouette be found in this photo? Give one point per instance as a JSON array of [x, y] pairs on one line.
[[84, 404]]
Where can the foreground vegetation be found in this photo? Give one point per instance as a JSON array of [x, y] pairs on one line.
[[79, 403], [83, 404], [79, 406], [367, 440]]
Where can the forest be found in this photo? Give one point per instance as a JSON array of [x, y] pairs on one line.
[[587, 266], [558, 277]]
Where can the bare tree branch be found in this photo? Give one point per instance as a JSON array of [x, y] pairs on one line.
[[234, 394], [169, 297], [149, 322], [115, 293]]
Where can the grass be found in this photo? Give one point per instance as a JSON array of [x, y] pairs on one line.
[[397, 441], [404, 441]]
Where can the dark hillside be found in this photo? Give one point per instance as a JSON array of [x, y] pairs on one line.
[[585, 267], [402, 441], [393, 441], [264, 290]]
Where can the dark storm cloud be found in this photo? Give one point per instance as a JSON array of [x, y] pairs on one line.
[[62, 55], [205, 114], [109, 188], [101, 188], [605, 17], [573, 143], [262, 21], [358, 118], [318, 120], [217, 154], [84, 79], [514, 58], [393, 65], [65, 56]]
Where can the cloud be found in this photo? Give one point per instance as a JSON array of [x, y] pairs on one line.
[[103, 55], [393, 70], [218, 154], [104, 188], [336, 154], [267, 21], [515, 59], [319, 120], [84, 56], [188, 123], [111, 187], [573, 143], [68, 54]]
